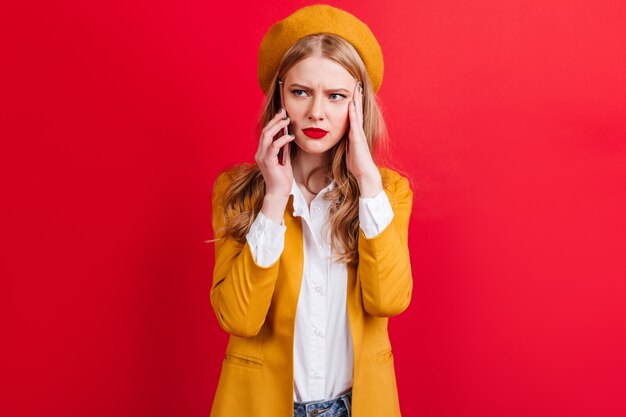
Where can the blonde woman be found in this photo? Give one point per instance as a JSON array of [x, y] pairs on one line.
[[311, 254]]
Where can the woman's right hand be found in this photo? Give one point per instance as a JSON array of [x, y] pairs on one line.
[[278, 178]]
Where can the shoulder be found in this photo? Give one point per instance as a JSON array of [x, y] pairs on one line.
[[398, 188], [393, 180], [229, 175], [234, 171]]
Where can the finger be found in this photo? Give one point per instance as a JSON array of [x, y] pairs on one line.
[[287, 151], [279, 116], [272, 151], [354, 122], [270, 132], [360, 102]]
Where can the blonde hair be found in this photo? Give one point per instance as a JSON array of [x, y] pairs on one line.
[[243, 199]]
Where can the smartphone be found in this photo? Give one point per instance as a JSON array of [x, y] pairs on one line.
[[281, 153]]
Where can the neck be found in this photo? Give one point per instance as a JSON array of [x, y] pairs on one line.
[[304, 163]]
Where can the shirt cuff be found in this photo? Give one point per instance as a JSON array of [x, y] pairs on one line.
[[375, 214], [266, 239]]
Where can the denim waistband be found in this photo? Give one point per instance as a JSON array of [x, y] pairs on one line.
[[324, 408]]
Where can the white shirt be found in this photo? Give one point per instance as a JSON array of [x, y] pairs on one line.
[[323, 352]]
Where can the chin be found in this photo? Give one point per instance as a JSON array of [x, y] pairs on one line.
[[314, 148]]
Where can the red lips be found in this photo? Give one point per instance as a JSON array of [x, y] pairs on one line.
[[314, 132]]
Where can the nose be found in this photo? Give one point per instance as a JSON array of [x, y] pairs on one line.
[[316, 111]]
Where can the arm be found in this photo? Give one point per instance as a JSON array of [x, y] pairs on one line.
[[384, 262], [266, 239], [242, 289], [375, 213]]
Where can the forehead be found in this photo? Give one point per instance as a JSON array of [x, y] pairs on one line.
[[318, 71]]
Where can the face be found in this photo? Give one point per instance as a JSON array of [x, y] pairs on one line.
[[317, 93]]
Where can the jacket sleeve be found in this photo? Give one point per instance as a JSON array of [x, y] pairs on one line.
[[242, 290], [384, 266]]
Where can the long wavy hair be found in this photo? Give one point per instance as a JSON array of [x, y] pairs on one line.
[[243, 199]]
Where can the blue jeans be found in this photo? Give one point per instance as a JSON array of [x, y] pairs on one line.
[[339, 407]]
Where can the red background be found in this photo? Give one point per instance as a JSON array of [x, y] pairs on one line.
[[509, 116]]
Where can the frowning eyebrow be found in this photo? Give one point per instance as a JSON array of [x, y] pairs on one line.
[[327, 91]]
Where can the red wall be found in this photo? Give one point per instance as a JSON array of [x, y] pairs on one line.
[[117, 116]]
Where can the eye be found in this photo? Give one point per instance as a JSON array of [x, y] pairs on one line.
[[339, 96], [295, 92]]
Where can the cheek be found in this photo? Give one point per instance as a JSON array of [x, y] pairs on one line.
[[291, 106], [344, 119], [295, 113], [341, 129], [346, 115]]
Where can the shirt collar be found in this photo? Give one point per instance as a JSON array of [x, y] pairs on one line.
[[299, 203]]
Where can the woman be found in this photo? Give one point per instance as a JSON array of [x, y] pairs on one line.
[[311, 257]]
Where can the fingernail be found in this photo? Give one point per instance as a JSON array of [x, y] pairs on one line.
[[292, 135], [286, 117]]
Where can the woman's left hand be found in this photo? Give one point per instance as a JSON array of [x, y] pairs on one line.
[[359, 158]]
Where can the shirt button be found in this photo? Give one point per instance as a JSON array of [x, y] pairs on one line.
[[318, 289]]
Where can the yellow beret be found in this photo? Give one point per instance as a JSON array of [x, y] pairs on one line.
[[319, 18]]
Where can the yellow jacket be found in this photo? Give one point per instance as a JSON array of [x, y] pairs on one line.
[[257, 307]]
